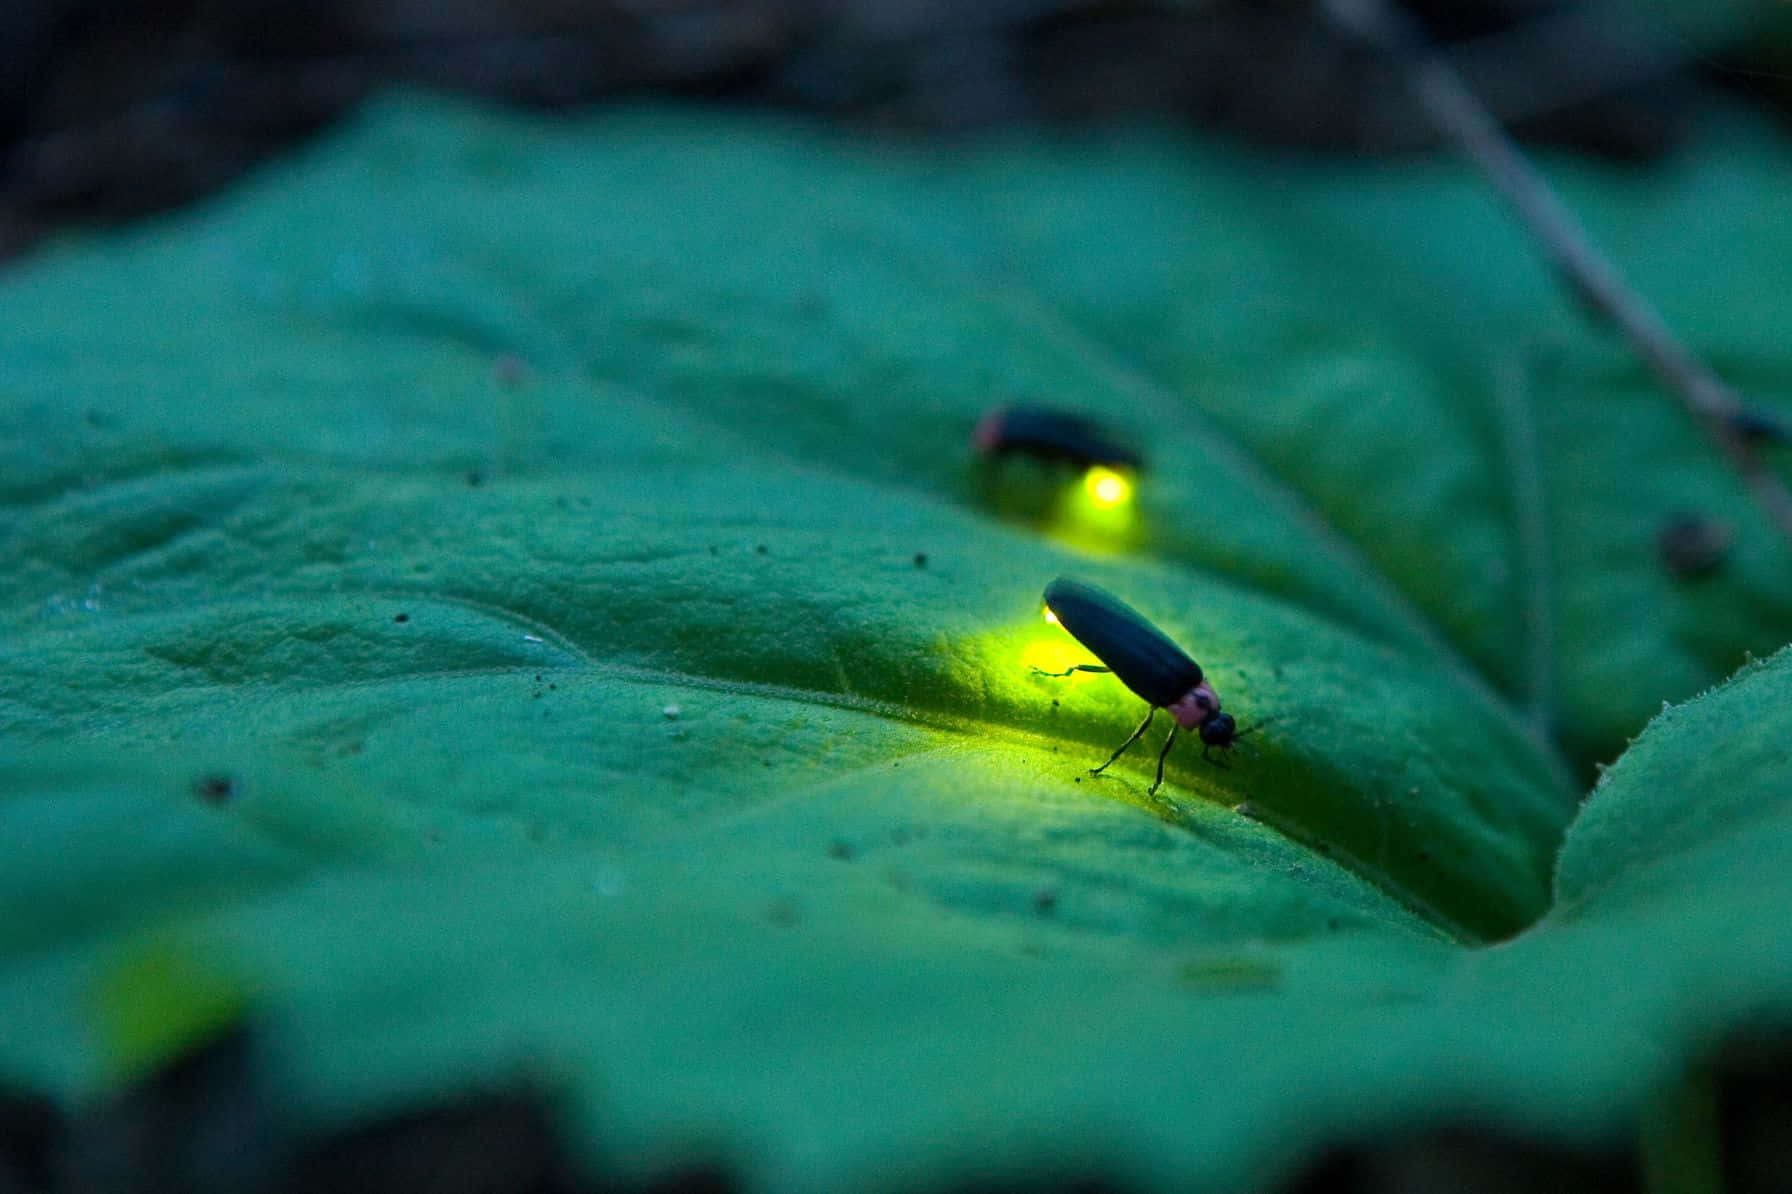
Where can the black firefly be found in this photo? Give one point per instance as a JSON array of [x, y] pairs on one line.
[[1147, 661]]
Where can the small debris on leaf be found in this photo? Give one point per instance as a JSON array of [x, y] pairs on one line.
[[215, 789], [1692, 544]]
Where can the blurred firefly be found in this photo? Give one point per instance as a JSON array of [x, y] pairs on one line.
[[1031, 453], [1147, 661], [1053, 435]]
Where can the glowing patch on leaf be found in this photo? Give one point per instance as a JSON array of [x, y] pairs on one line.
[[160, 999], [1054, 655]]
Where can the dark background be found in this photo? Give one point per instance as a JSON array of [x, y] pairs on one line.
[[110, 109]]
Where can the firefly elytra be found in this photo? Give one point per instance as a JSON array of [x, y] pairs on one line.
[[1147, 661], [1051, 435]]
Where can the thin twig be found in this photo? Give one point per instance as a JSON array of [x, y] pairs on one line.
[[1459, 115]]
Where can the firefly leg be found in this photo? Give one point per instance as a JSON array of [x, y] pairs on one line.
[[1161, 756], [1078, 667], [1135, 737]]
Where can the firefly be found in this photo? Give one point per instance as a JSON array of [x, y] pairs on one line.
[[1147, 661]]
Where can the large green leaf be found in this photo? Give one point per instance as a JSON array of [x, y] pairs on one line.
[[497, 594]]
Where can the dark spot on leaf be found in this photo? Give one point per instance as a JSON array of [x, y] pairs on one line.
[[215, 789], [783, 912], [841, 849], [1692, 545], [760, 548], [1045, 901], [401, 617], [714, 550], [920, 559], [553, 688], [475, 478]]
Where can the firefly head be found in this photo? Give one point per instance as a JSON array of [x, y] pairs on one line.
[[1219, 730]]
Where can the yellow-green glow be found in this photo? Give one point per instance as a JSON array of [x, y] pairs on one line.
[[159, 999], [1051, 655], [1056, 651], [1107, 488], [1100, 514]]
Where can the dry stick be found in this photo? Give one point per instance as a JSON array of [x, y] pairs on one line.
[[1459, 115]]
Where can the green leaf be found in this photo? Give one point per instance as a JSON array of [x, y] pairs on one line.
[[1695, 813], [496, 596]]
